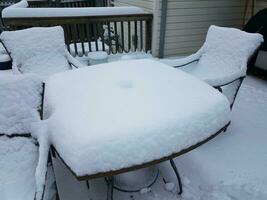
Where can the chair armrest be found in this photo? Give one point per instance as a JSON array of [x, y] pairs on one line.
[[73, 61], [182, 61]]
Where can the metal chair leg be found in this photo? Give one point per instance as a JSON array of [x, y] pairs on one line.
[[110, 181], [177, 176], [87, 185], [50, 156]]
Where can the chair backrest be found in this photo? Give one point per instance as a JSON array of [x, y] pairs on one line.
[[21, 102], [37, 50], [228, 48]]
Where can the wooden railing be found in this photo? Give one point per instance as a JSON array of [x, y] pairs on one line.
[[83, 34], [109, 33], [4, 4]]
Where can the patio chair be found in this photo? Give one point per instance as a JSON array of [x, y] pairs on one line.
[[222, 60], [21, 100], [38, 50]]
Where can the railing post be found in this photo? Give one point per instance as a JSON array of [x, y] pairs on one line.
[[148, 35]]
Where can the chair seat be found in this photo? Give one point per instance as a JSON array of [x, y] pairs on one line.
[[214, 75]]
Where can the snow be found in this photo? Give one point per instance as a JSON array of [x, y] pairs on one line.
[[139, 104], [20, 4], [20, 97], [2, 49], [86, 47], [97, 57], [4, 58], [224, 55], [37, 50], [42, 136], [6, 72], [136, 180], [21, 10], [18, 160], [169, 186], [230, 167], [132, 55]]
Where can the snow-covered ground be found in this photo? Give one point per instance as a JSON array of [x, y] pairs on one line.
[[18, 156], [230, 167]]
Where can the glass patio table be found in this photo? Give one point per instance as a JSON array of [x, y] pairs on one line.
[[122, 116]]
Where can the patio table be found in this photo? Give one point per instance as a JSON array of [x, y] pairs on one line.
[[122, 116]]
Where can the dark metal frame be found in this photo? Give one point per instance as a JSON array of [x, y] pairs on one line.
[[240, 81], [180, 185]]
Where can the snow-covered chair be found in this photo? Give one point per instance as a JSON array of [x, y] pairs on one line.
[[20, 107], [20, 97], [222, 60], [39, 50]]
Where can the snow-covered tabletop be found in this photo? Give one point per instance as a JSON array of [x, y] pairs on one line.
[[116, 115]]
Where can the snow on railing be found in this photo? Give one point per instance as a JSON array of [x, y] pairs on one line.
[[21, 10]]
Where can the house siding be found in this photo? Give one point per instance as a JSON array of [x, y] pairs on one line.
[[188, 21], [146, 4], [260, 4]]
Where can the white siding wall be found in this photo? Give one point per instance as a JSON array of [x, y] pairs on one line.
[[188, 22], [146, 4], [260, 4]]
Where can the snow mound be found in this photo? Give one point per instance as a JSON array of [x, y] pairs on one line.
[[37, 50], [120, 114], [86, 47], [20, 97]]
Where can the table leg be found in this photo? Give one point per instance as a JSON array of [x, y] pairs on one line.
[[87, 185], [52, 155], [177, 176], [110, 181]]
